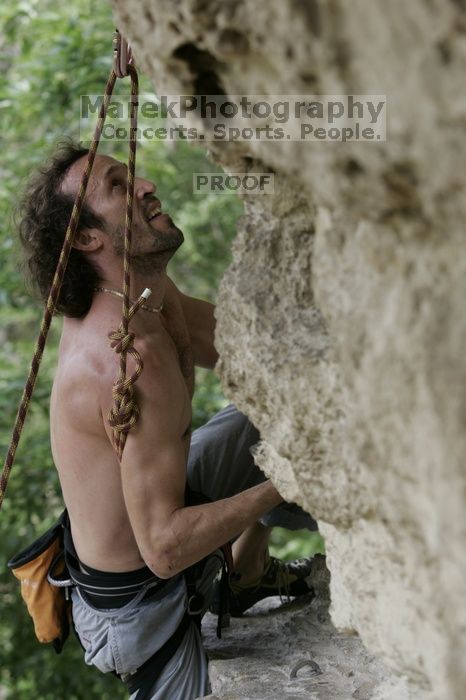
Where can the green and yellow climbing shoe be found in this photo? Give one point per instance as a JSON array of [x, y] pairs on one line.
[[280, 578]]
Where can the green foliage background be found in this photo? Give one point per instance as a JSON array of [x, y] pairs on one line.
[[51, 53]]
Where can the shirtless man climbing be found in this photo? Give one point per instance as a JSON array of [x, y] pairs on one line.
[[136, 526]]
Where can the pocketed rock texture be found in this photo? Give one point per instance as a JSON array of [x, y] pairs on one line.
[[341, 324]]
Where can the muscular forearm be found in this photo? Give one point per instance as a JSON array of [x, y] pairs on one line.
[[196, 531]]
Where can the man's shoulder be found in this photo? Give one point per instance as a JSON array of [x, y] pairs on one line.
[[86, 366]]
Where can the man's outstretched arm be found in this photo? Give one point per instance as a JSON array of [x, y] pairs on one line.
[[170, 536]]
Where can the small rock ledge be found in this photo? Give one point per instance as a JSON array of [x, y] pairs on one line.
[[292, 650]]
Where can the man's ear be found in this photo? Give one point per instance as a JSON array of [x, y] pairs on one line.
[[88, 240]]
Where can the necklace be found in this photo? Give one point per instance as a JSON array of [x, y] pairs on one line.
[[146, 307]]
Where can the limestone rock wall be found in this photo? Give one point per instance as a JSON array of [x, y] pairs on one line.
[[341, 323]]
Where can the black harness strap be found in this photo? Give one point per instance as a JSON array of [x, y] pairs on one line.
[[194, 498]]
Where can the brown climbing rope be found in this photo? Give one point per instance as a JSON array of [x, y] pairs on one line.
[[124, 412]]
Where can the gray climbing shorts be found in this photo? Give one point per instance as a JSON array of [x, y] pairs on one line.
[[219, 465]]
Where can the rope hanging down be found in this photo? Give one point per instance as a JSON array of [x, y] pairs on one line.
[[124, 413], [125, 410]]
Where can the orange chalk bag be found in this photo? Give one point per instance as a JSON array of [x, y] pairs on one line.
[[41, 570]]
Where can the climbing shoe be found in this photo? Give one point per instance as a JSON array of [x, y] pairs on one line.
[[280, 578]]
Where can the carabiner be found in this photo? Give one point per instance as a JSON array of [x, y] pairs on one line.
[[122, 55]]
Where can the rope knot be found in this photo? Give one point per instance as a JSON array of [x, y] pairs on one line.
[[125, 411], [121, 342]]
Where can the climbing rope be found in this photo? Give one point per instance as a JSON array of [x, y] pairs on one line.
[[124, 412]]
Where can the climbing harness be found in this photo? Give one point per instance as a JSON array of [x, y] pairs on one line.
[[124, 411]]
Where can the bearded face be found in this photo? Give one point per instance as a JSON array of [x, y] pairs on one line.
[[155, 238]]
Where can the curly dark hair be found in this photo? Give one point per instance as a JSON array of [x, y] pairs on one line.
[[45, 212]]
